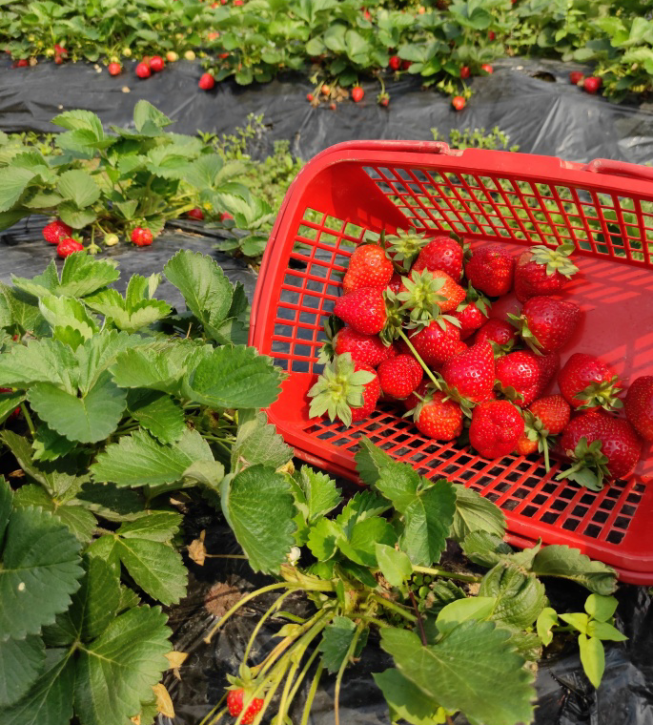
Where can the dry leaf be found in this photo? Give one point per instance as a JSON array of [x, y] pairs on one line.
[[136, 719], [197, 550], [163, 700], [288, 468], [176, 660]]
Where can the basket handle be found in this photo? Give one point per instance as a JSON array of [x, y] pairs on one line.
[[619, 168]]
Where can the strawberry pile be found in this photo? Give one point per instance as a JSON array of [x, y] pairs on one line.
[[414, 327]]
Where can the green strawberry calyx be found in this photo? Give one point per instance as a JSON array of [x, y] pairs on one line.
[[601, 394], [590, 466], [555, 260], [332, 326], [422, 298], [520, 322], [535, 430], [404, 247], [339, 389]]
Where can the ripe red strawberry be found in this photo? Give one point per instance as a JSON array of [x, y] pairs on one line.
[[420, 392], [115, 69], [405, 64], [400, 376], [235, 703], [471, 373], [196, 213], [384, 100], [55, 231], [442, 253], [465, 72], [364, 349], [394, 62], [325, 90], [22, 63], [549, 365], [226, 216], [592, 84], [438, 417], [157, 63], [68, 246], [395, 283], [518, 374], [309, 97], [368, 267], [487, 68], [575, 77], [437, 342], [59, 49], [587, 383], [490, 270], [363, 310], [600, 446], [143, 70], [543, 271], [544, 419], [546, 324], [499, 333], [357, 94], [206, 82], [458, 102], [471, 318], [639, 406], [346, 390], [495, 429], [142, 237]]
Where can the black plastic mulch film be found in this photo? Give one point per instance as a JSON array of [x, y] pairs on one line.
[[536, 106]]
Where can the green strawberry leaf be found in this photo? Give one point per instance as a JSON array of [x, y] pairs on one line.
[[427, 523], [161, 526], [259, 506], [258, 442], [474, 513], [336, 641], [394, 565], [156, 568], [472, 669], [406, 701], [562, 561], [520, 597], [158, 413], [21, 661], [592, 657]]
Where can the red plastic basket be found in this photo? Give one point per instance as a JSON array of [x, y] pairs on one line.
[[355, 190]]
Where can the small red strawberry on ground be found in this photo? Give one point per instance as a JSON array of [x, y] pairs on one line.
[[196, 213], [600, 447], [68, 246], [458, 102], [325, 90], [639, 406], [395, 62], [383, 99], [465, 72], [592, 84], [575, 77], [115, 69], [543, 271], [363, 309], [491, 269], [442, 253], [518, 376], [346, 390], [157, 63], [143, 70], [405, 64], [55, 231], [235, 700], [309, 97], [499, 333], [471, 374], [487, 68], [495, 429], [368, 267], [437, 342], [439, 417], [545, 419], [206, 82], [587, 383], [400, 376], [546, 324], [364, 349], [22, 63], [357, 94], [142, 237]]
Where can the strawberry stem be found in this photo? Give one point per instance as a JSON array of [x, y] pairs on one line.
[[394, 607], [437, 571], [341, 671], [276, 605], [311, 694], [426, 369]]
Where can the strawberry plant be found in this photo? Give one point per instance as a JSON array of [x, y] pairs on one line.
[[127, 409], [462, 639]]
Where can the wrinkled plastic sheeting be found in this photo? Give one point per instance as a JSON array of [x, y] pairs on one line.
[[565, 697], [531, 100], [24, 253]]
